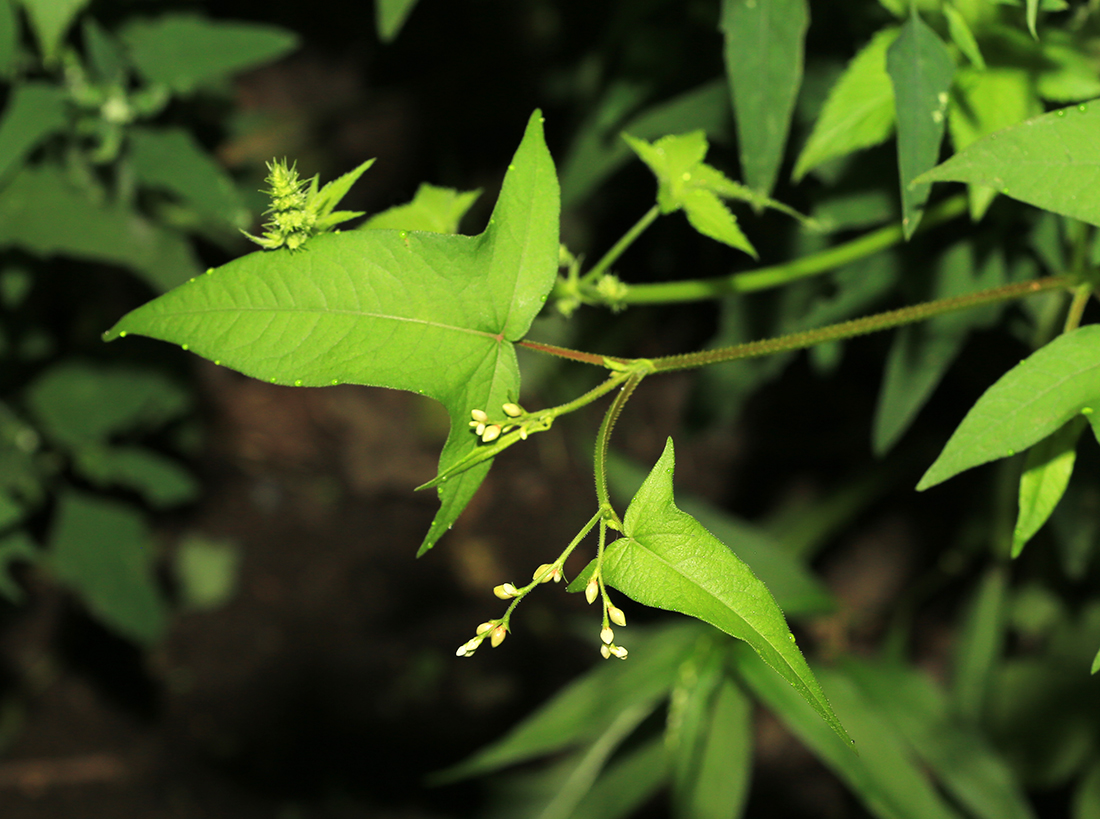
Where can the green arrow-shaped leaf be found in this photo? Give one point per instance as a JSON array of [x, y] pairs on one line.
[[669, 561], [1051, 161], [1028, 403], [430, 313]]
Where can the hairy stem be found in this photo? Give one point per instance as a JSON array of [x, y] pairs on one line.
[[620, 246], [857, 327], [603, 438]]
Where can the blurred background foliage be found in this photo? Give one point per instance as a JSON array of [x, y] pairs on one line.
[[210, 606]]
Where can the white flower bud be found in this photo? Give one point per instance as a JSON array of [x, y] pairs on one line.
[[513, 410], [479, 416], [616, 615], [607, 635], [592, 589], [550, 572], [505, 591], [619, 652], [604, 651], [499, 633], [484, 627], [491, 433]]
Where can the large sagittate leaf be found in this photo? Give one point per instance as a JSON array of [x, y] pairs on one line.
[[1027, 404], [669, 561], [764, 66], [859, 112], [1051, 161], [184, 51], [430, 313], [920, 68]]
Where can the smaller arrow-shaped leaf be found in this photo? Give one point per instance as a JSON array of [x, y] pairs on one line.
[[669, 561], [1028, 403]]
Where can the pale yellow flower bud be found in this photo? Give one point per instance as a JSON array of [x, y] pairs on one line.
[[619, 652], [484, 627], [550, 572], [492, 432], [514, 410], [604, 651], [499, 633], [616, 615], [592, 589], [479, 416], [505, 591], [607, 635]]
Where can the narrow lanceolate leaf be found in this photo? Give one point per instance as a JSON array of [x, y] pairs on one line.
[[920, 68], [1045, 478], [669, 561], [859, 112], [430, 313], [1051, 161], [764, 44], [1027, 403]]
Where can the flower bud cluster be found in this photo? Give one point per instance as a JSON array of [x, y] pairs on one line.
[[488, 431], [494, 630], [552, 572], [505, 591]]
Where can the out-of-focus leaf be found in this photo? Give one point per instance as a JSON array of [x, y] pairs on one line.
[[626, 784], [689, 704], [982, 102], [764, 44], [430, 313], [1028, 403], [1022, 162], [667, 560], [797, 590], [390, 16], [105, 56], [957, 754], [921, 355], [34, 111], [599, 152], [9, 38], [859, 112], [206, 571], [719, 783], [1046, 476], [42, 214], [1076, 526], [921, 69], [586, 708], [171, 159], [882, 774], [16, 546], [1067, 73], [436, 210], [979, 646], [50, 20], [161, 481], [78, 403], [185, 51], [1086, 796], [962, 36], [101, 550]]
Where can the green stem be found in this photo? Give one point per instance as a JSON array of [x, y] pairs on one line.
[[1081, 295], [620, 246], [613, 380], [767, 277], [857, 327], [572, 355], [603, 438]]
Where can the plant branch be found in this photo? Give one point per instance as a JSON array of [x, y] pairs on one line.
[[572, 355], [764, 278], [603, 438], [857, 327], [620, 246]]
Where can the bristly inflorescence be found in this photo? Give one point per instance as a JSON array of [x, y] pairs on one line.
[[298, 209]]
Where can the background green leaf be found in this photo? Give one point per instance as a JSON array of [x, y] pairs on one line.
[[390, 16], [920, 68], [1027, 403], [1051, 161], [430, 313], [50, 20], [668, 560], [764, 45], [16, 546], [184, 51], [1046, 475], [102, 550], [434, 209], [34, 111], [979, 645], [859, 112]]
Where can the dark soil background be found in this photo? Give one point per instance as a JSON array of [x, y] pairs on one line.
[[328, 686]]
